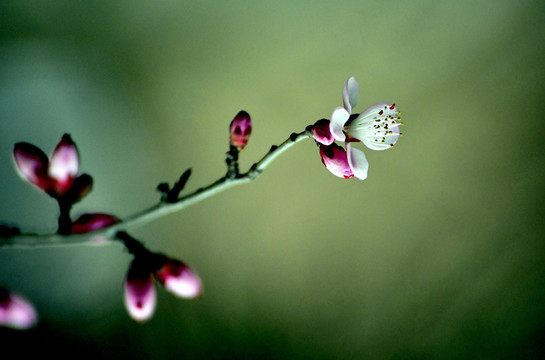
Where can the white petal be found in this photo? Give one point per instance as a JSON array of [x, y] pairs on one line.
[[336, 125], [374, 109], [382, 142], [377, 127], [351, 94], [358, 162]]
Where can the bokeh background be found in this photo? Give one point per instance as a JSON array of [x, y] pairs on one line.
[[439, 254]]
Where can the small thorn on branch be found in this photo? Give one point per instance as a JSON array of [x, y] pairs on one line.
[[171, 195], [177, 188], [8, 231]]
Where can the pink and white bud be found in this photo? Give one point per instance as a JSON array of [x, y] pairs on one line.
[[64, 164], [240, 130], [335, 160], [179, 279], [321, 132], [32, 164], [15, 311], [57, 175], [140, 294]]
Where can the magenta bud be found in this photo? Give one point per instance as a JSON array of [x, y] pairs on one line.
[[179, 279], [64, 164], [140, 294], [32, 164], [55, 176], [335, 160], [15, 311], [240, 130], [91, 222], [321, 132]]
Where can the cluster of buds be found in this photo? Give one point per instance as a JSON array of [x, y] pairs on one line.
[[58, 176], [377, 128], [140, 294]]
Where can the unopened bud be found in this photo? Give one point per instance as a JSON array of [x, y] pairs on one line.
[[240, 130], [15, 311], [140, 294], [335, 160], [179, 279], [321, 132], [91, 222]]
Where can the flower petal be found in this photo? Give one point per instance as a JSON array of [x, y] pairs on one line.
[[339, 117], [358, 162], [64, 163], [375, 109], [351, 94], [32, 164]]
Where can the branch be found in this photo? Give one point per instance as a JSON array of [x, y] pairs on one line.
[[34, 240]]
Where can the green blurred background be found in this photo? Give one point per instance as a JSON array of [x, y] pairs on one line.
[[439, 254]]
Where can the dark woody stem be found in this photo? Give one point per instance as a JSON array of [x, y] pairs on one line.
[[231, 179], [64, 223], [231, 160]]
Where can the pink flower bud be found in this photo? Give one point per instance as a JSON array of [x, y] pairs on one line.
[[179, 279], [335, 160], [15, 311], [321, 132], [240, 130], [140, 295], [32, 164], [56, 176], [64, 164], [91, 222]]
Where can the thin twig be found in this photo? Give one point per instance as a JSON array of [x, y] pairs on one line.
[[34, 240]]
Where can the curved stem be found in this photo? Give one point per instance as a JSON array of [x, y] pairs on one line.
[[156, 211]]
